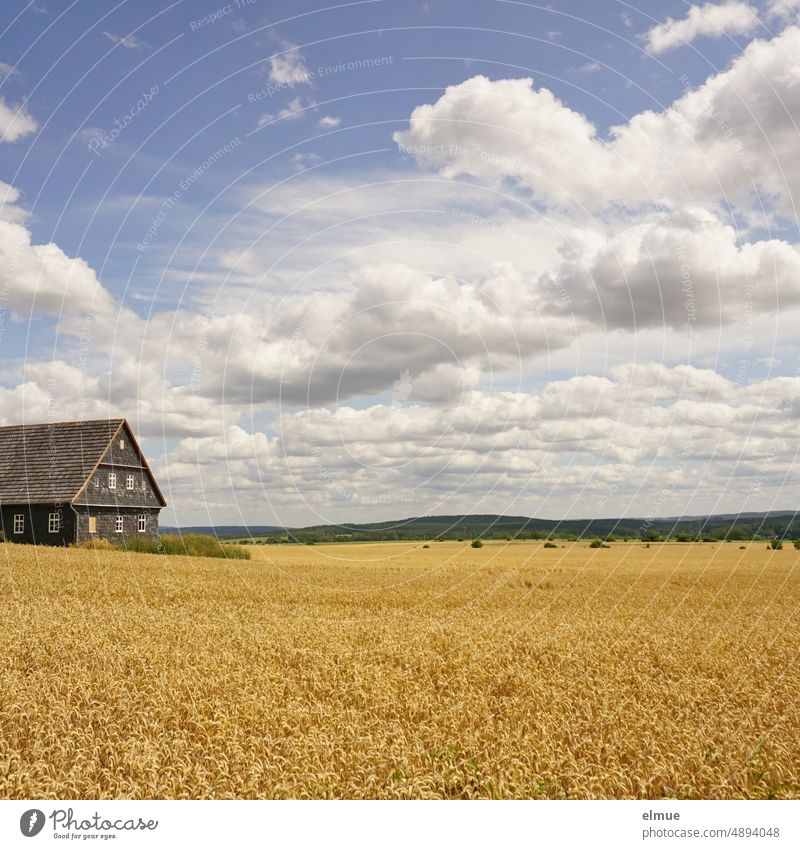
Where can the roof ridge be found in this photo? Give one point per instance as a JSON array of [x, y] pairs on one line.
[[117, 420]]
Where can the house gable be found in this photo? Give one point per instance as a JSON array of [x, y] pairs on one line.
[[124, 459]]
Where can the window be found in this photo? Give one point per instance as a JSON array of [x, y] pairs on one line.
[[19, 523], [118, 525], [92, 524], [129, 481], [122, 445], [112, 480], [96, 482], [54, 522], [142, 523]]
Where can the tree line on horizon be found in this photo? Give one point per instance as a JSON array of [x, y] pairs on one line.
[[764, 527]]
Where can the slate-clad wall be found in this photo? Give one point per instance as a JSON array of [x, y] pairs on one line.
[[37, 522], [127, 456], [142, 495], [106, 524], [122, 461]]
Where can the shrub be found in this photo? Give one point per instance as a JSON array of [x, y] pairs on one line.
[[797, 543], [598, 543], [476, 543], [195, 545], [549, 544], [426, 546], [776, 544]]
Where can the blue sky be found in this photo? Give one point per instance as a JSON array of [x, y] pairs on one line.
[[241, 224]]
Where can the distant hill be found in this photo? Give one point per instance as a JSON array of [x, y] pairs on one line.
[[782, 524]]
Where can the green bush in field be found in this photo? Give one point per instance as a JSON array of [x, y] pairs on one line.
[[196, 545], [476, 543]]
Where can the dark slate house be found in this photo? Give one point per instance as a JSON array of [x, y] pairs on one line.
[[67, 482]]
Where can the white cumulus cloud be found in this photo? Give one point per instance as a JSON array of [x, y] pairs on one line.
[[15, 122], [711, 19], [288, 67]]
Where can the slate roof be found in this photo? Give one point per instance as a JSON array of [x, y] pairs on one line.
[[43, 463]]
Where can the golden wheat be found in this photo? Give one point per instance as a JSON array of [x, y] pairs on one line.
[[389, 670]]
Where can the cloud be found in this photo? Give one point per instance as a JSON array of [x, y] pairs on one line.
[[505, 130], [643, 434], [303, 160], [293, 111], [9, 209], [15, 122], [328, 122], [128, 41], [288, 67], [711, 19], [782, 9], [732, 139], [296, 109], [680, 269], [156, 407], [319, 348], [42, 279]]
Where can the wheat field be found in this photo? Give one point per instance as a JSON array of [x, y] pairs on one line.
[[397, 671]]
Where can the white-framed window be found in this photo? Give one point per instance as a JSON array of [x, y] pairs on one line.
[[118, 525], [92, 524], [122, 445], [53, 522], [142, 523], [129, 482], [96, 482], [112, 480], [19, 523]]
